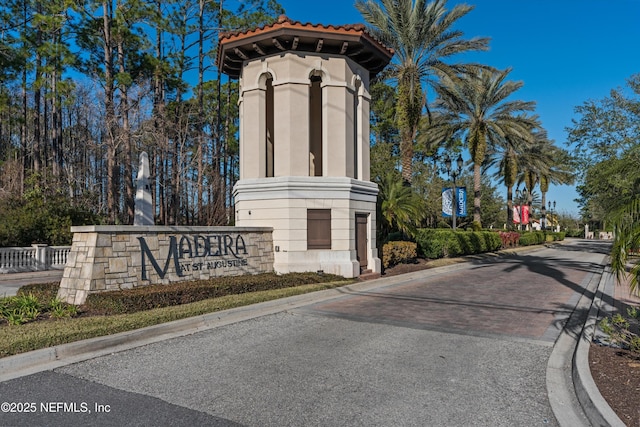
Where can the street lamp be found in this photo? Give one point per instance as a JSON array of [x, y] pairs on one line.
[[551, 210], [521, 197], [453, 175]]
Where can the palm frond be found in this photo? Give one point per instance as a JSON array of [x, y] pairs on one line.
[[626, 242]]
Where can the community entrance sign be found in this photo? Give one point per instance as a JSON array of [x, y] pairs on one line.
[[105, 258]]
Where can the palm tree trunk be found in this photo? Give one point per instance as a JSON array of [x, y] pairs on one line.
[[510, 206], [544, 210], [406, 152], [477, 185]]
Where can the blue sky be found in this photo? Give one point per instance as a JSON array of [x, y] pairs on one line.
[[565, 51]]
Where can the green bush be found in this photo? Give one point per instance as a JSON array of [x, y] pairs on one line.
[[398, 253], [529, 238], [448, 243], [42, 215], [433, 243], [156, 296], [574, 232]]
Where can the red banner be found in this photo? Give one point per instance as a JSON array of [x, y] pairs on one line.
[[521, 214], [525, 214]]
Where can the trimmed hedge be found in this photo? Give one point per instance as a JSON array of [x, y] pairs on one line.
[[539, 237], [448, 243], [398, 253], [532, 238], [155, 296], [438, 243]]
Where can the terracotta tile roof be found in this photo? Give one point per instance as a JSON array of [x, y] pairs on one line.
[[285, 35]]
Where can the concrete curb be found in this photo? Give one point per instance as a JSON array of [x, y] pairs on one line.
[[594, 405], [560, 385]]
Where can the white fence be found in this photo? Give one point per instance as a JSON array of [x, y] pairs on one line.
[[33, 258]]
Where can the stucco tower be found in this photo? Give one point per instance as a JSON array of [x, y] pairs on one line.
[[304, 141]]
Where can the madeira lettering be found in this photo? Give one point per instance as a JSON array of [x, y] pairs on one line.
[[192, 247]]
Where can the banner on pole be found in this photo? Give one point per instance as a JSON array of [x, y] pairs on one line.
[[447, 202], [461, 202], [521, 214], [525, 214]]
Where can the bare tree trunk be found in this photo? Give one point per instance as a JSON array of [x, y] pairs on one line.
[[110, 117], [56, 131], [37, 96], [126, 138], [200, 112]]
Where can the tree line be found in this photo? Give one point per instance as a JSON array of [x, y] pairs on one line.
[[85, 86], [472, 110]]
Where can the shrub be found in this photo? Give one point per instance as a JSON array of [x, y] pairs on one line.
[[448, 243], [434, 243], [28, 306], [575, 232], [20, 309], [532, 238], [509, 239], [492, 240], [41, 216], [155, 296], [623, 330], [58, 309], [398, 253]]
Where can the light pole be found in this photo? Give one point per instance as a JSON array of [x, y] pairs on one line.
[[454, 174], [521, 197], [551, 211]]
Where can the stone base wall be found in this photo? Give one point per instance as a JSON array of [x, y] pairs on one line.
[[105, 258]]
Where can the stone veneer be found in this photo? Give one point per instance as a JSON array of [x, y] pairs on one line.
[[105, 258]]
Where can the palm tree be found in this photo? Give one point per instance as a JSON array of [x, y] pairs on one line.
[[421, 35], [503, 156], [475, 108], [558, 172], [544, 163], [399, 207], [626, 242]]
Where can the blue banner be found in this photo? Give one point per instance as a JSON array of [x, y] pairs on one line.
[[461, 201]]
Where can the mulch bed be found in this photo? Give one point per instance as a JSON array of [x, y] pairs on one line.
[[616, 372]]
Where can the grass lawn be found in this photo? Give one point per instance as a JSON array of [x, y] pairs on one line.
[[47, 332]]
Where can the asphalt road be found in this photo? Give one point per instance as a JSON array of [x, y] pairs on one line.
[[10, 283], [457, 348]]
